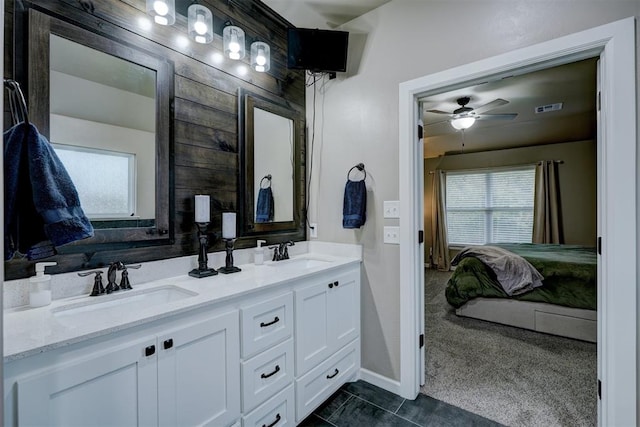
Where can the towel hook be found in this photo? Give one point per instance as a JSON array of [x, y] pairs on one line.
[[17, 102], [268, 178], [360, 167]]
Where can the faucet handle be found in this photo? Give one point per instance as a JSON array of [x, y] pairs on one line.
[[98, 288]]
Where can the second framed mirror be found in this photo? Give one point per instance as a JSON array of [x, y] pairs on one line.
[[271, 138]]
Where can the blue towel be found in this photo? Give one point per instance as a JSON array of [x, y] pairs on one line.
[[354, 209], [264, 207], [42, 208]]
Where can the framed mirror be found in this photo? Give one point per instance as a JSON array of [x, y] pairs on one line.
[[272, 185], [105, 106]]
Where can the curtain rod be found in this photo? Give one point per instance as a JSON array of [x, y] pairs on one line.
[[500, 167]]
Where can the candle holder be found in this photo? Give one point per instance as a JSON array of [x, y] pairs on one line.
[[203, 269], [229, 267]]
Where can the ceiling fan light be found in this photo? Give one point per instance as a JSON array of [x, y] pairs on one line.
[[463, 122]]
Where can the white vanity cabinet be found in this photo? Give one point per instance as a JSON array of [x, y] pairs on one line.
[[327, 337], [185, 374], [262, 356]]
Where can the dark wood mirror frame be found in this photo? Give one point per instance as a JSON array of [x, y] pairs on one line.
[[36, 75], [295, 229]]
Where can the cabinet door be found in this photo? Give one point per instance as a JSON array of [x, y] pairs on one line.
[[86, 391], [344, 310], [199, 373], [312, 336]]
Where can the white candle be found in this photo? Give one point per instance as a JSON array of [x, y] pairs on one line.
[[228, 225], [202, 208]]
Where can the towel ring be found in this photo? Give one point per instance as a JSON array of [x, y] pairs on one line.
[[268, 178], [360, 167]]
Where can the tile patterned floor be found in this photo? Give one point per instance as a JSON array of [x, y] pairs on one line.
[[363, 404]]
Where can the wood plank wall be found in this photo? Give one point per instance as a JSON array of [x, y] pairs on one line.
[[205, 123]]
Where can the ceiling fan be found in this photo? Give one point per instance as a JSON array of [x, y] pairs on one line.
[[464, 117]]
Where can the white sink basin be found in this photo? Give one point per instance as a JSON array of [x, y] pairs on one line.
[[301, 263], [106, 306]]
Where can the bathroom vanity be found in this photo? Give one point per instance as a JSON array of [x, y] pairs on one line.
[[263, 347]]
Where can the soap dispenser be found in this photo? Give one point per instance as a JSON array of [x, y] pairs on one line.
[[40, 286], [258, 253]]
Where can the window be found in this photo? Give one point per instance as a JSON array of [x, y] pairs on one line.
[[105, 180], [490, 206]]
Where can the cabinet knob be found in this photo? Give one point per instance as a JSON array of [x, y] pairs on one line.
[[168, 344], [333, 375], [278, 418], [150, 350], [274, 321], [275, 371], [330, 285], [336, 283]]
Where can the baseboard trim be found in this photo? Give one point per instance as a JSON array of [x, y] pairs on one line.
[[380, 381]]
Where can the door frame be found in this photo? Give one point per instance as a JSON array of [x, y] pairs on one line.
[[614, 43]]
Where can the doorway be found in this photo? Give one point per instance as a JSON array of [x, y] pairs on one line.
[[617, 305], [511, 374]]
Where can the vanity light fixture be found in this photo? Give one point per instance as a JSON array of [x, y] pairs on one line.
[[233, 42], [200, 23], [465, 122], [162, 11], [260, 57]]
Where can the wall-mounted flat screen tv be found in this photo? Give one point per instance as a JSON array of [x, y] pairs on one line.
[[317, 50]]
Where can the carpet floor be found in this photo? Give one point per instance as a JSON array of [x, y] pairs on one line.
[[510, 375]]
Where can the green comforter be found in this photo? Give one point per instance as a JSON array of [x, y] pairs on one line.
[[569, 276]]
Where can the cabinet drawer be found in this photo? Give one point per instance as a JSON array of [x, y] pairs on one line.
[[265, 374], [266, 323], [276, 412], [321, 382]]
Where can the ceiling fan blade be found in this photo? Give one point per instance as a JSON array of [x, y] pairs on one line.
[[491, 105], [509, 116], [436, 123], [437, 112]]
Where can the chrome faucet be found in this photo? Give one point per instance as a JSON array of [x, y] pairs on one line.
[[280, 251]]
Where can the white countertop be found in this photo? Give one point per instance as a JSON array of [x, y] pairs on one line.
[[29, 331]]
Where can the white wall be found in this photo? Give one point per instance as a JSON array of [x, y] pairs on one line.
[[357, 119]]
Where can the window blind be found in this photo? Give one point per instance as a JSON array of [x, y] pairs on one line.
[[490, 206]]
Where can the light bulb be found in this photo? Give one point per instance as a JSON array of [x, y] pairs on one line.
[[200, 26], [260, 59], [161, 20], [200, 39], [260, 68], [234, 55], [234, 46], [161, 7]]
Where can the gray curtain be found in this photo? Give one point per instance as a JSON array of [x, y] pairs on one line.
[[547, 223], [439, 240]]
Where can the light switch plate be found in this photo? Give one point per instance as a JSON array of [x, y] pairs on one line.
[[391, 209], [392, 235]]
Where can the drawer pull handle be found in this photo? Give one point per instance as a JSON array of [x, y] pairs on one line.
[[274, 321], [333, 375], [149, 351], [168, 344], [275, 371], [330, 285], [278, 418]]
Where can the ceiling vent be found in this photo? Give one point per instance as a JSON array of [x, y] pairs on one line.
[[548, 108]]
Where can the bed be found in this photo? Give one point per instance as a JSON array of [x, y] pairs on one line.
[[564, 305]]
